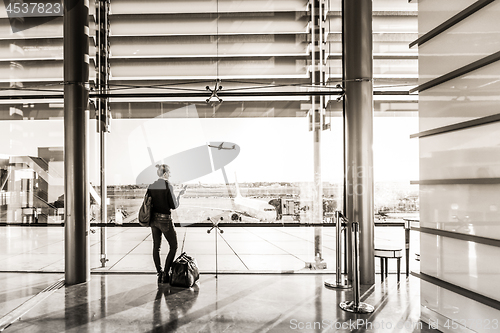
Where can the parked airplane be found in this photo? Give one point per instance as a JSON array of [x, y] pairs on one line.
[[221, 146], [253, 208]]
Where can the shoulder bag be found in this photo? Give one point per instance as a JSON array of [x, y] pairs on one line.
[[144, 216]]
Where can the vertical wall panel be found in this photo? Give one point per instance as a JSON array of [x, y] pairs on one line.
[[461, 169], [455, 313], [461, 45], [464, 209], [465, 264]]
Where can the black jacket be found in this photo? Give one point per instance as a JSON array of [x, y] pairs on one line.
[[163, 198]]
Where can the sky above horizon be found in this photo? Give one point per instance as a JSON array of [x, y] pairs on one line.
[[271, 149]]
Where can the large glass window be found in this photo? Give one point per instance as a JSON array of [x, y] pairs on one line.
[[248, 159]]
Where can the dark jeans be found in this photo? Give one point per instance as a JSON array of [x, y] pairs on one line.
[[165, 227]]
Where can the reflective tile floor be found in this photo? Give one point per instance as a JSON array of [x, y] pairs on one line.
[[262, 285], [238, 249], [117, 302]]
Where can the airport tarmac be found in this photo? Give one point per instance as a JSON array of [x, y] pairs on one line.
[[271, 249]]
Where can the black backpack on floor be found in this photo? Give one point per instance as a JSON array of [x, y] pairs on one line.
[[184, 271]]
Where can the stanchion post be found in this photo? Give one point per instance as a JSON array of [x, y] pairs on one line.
[[338, 265], [355, 305], [407, 246], [215, 225]]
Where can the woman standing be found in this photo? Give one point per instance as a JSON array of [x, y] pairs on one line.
[[162, 202]]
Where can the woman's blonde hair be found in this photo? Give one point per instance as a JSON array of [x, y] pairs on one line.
[[162, 168]]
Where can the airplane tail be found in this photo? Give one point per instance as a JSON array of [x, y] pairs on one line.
[[238, 192]]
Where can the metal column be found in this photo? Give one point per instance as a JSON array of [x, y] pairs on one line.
[[76, 74], [316, 119], [358, 74], [103, 112]]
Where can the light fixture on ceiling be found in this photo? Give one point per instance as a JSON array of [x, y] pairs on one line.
[[214, 91]]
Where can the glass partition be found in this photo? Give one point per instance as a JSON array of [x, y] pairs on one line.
[[248, 159], [32, 171], [264, 158]]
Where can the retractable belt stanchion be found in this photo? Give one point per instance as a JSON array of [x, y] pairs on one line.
[[407, 245], [356, 306], [338, 284], [215, 225]]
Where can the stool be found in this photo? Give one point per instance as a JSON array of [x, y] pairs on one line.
[[385, 255]]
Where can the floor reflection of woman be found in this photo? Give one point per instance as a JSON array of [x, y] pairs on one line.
[[163, 201], [179, 301]]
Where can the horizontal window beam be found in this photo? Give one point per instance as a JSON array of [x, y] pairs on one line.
[[199, 94], [215, 34], [455, 235], [458, 126], [214, 13], [207, 225], [381, 56], [211, 56], [458, 290], [457, 181], [458, 72], [32, 97], [451, 22], [383, 13], [221, 94]]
